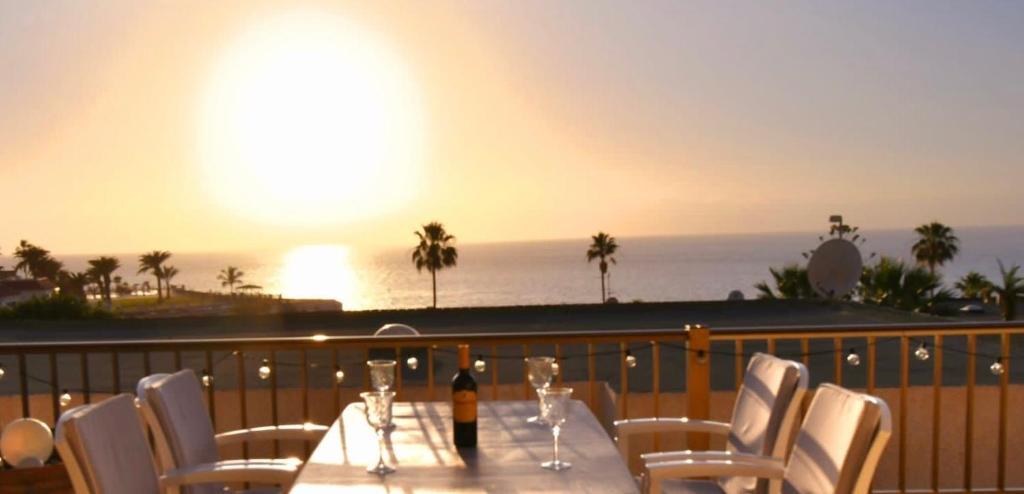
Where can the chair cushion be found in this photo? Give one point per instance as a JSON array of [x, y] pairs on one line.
[[111, 448], [833, 442], [177, 402]]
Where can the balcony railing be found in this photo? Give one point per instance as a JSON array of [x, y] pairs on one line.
[[942, 438]]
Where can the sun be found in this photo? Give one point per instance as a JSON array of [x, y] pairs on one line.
[[309, 119]]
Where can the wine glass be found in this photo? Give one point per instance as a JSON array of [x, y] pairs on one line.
[[554, 410], [378, 415], [540, 371], [382, 378]]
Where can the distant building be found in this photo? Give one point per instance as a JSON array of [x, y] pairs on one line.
[[13, 291], [8, 274]]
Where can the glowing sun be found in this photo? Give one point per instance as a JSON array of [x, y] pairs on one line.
[[310, 119]]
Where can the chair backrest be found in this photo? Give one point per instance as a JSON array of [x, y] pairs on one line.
[[839, 445], [182, 431], [395, 329], [107, 449], [765, 413]]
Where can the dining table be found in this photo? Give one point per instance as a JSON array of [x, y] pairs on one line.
[[507, 456]]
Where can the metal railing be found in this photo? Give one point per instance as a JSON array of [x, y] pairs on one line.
[[692, 363]]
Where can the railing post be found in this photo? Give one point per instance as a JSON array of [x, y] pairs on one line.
[[698, 382]]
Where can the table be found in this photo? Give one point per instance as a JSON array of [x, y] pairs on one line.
[[507, 457]]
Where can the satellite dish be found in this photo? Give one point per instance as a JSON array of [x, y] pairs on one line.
[[26, 443], [835, 268]]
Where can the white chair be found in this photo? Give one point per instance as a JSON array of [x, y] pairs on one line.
[[183, 435], [764, 418], [105, 450], [837, 450]]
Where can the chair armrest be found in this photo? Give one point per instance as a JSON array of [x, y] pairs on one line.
[[295, 432], [259, 471], [626, 428], [709, 456], [656, 472]]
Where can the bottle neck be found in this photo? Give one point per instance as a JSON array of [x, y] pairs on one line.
[[464, 357]]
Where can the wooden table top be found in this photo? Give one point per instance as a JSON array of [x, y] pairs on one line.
[[507, 457]]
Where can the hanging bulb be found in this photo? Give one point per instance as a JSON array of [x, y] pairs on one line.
[[264, 371], [207, 379], [554, 369], [3, 371], [339, 375], [630, 360], [922, 352], [997, 368], [65, 399], [412, 362], [480, 366], [852, 358]]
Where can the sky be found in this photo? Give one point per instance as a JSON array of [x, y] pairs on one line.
[[218, 126]]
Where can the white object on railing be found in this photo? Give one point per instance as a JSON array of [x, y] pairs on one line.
[[396, 329], [26, 443]]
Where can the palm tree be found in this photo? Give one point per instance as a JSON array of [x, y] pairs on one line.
[[230, 277], [975, 285], [892, 283], [73, 284], [169, 272], [146, 288], [434, 252], [100, 269], [602, 247], [34, 261], [790, 282], [1012, 287], [936, 245], [152, 262]]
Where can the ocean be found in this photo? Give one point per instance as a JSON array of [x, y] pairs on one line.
[[551, 272]]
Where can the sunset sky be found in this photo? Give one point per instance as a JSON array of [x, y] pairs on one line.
[[203, 126]]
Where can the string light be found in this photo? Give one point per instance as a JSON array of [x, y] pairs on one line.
[[997, 368], [207, 379], [630, 360], [852, 358], [264, 371], [65, 399], [554, 369], [922, 352], [3, 371], [339, 375], [480, 366], [412, 362]]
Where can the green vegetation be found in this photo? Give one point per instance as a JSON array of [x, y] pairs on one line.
[[434, 252], [55, 307], [169, 273], [230, 277], [35, 262], [893, 283], [152, 262], [975, 285], [1012, 287], [790, 282], [100, 270], [602, 247], [936, 245]]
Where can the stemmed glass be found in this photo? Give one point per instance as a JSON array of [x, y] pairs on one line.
[[554, 410], [378, 415], [382, 378], [540, 371]]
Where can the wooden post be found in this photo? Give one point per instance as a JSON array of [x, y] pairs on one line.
[[698, 383]]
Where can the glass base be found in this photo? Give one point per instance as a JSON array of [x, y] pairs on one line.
[[536, 420], [380, 469], [556, 465]]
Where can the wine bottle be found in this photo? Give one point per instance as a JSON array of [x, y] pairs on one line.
[[464, 402]]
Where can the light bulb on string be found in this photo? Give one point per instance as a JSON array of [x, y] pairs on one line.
[[207, 379], [413, 363], [3, 371], [65, 399], [264, 371], [339, 375], [630, 360], [922, 352], [480, 365], [554, 369], [853, 358], [997, 368]]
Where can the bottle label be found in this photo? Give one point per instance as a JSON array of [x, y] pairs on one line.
[[464, 406]]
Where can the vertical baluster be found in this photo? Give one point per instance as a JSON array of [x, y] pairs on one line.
[[398, 373], [623, 382], [177, 360], [146, 368], [591, 375], [23, 383], [526, 374], [337, 385], [304, 375], [872, 364], [494, 372], [558, 359], [771, 346], [84, 370], [242, 409], [273, 400], [656, 387], [972, 345], [740, 368], [901, 480], [837, 360], [936, 409], [55, 390], [210, 397], [430, 373], [366, 369], [1004, 383]]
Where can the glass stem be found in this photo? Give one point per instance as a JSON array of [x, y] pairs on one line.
[[555, 431], [380, 448]]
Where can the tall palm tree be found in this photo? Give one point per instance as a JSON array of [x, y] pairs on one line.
[[434, 252], [33, 260], [790, 282], [230, 277], [100, 269], [975, 285], [603, 247], [936, 244], [892, 283], [152, 262], [169, 272], [1012, 288], [73, 284]]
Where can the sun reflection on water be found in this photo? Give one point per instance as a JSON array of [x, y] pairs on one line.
[[322, 272]]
